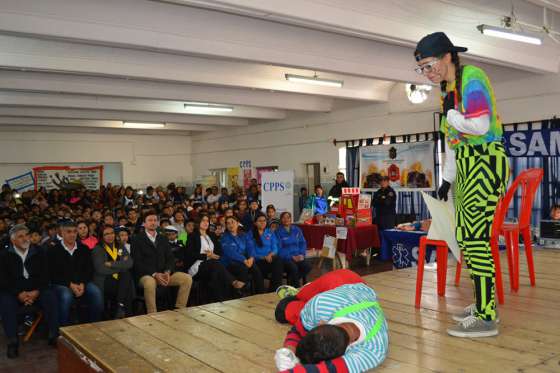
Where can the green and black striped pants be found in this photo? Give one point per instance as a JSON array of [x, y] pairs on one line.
[[482, 177]]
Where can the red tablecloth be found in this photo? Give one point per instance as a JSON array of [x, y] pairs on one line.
[[361, 237]]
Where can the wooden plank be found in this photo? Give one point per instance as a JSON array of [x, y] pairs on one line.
[[107, 352], [230, 352], [157, 351]]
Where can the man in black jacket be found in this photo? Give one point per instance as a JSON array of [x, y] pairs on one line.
[[71, 275], [385, 205], [24, 281], [336, 190], [154, 264]]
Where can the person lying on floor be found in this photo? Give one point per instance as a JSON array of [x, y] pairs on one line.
[[338, 326]]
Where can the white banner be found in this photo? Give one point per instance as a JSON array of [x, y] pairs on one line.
[[409, 166], [278, 190], [69, 178]]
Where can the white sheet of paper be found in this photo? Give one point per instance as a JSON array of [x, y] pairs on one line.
[[443, 223], [341, 233]]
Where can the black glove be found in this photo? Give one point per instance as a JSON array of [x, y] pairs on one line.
[[448, 102], [443, 190]]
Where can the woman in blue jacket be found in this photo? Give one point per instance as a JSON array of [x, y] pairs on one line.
[[292, 250], [238, 255], [265, 244], [318, 202]]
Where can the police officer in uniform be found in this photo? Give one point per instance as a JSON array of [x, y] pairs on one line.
[[384, 203]]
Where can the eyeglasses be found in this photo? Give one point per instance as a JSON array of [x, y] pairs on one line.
[[427, 67]]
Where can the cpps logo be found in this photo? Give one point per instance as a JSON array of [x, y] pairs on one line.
[[276, 186]]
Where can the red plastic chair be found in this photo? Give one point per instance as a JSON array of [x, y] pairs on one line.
[[441, 259], [528, 182]]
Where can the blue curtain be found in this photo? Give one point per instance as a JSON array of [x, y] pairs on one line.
[[352, 163]]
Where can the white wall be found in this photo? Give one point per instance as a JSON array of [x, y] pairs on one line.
[[146, 159], [306, 138]]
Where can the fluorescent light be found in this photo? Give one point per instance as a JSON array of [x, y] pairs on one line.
[[206, 108], [509, 34], [314, 80], [141, 125], [17, 195]]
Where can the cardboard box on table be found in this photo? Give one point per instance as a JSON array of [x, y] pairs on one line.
[[355, 208]]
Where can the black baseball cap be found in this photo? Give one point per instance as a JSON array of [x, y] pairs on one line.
[[434, 45]]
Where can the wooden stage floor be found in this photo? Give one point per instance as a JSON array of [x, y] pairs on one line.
[[241, 336]]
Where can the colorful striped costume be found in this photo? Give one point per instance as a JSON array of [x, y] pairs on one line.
[[482, 173], [323, 300]]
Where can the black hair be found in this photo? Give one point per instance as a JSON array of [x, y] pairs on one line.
[[458, 76], [318, 186], [256, 234], [270, 207], [324, 342]]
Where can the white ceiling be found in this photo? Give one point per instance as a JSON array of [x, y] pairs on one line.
[[79, 64]]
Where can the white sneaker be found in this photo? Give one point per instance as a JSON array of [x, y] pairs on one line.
[[473, 327], [468, 311]]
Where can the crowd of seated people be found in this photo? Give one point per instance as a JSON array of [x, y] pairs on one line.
[[87, 255]]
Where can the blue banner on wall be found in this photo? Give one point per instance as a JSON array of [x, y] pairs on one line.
[[533, 143]]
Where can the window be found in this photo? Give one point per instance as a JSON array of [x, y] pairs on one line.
[[342, 160], [221, 176]]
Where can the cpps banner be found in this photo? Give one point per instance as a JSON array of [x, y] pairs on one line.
[[409, 166], [543, 142], [21, 183], [278, 190], [69, 178]]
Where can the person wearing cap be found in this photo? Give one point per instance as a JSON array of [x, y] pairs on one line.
[[385, 205], [112, 274], [177, 247], [24, 281], [71, 275], [476, 161]]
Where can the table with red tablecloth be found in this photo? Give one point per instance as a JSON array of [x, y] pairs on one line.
[[361, 237]]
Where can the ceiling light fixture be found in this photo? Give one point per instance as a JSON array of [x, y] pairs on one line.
[[510, 34], [206, 108], [314, 80], [417, 93], [142, 125]]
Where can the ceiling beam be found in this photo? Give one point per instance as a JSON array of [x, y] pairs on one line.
[[58, 122], [109, 115], [187, 30], [25, 53], [12, 98], [95, 85]]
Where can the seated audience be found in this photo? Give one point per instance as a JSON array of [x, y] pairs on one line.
[[24, 281], [239, 255], [555, 212], [266, 253], [244, 217], [178, 221], [122, 235], [71, 275], [318, 202], [213, 196], [112, 274], [292, 248], [203, 263], [154, 264], [177, 248], [270, 213], [84, 236]]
